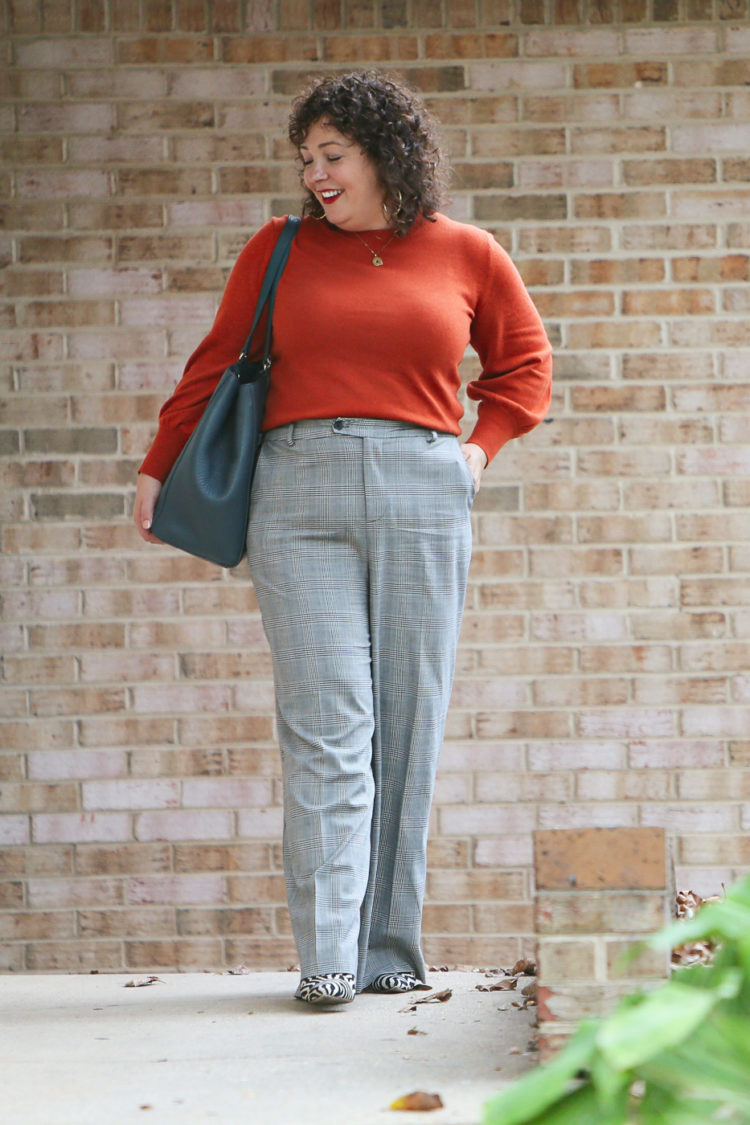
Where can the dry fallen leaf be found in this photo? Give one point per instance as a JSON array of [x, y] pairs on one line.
[[529, 990], [695, 952], [415, 1031], [435, 998], [688, 902], [507, 984], [524, 967], [418, 1100], [241, 971], [143, 982]]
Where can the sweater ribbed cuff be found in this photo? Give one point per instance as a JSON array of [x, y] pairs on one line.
[[492, 434]]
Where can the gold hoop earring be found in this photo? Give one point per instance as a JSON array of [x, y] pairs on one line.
[[318, 218], [389, 214]]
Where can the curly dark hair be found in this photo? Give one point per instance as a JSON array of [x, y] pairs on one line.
[[391, 124]]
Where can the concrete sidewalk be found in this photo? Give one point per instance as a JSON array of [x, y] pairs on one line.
[[194, 1048]]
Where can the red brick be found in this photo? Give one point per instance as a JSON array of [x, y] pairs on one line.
[[260, 823], [50, 604], [497, 851], [249, 920], [470, 45], [649, 963], [523, 724], [183, 955], [491, 820], [370, 48], [713, 785], [615, 334], [522, 787], [222, 857], [14, 830], [621, 858], [163, 49], [563, 961], [714, 850], [49, 828], [475, 885], [443, 919], [480, 950], [600, 911], [35, 798], [77, 956], [569, 1004], [183, 824], [671, 171], [274, 954], [509, 918]]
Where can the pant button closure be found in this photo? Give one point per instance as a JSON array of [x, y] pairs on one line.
[[338, 424]]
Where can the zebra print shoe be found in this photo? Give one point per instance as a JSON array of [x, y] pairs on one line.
[[395, 982], [326, 988]]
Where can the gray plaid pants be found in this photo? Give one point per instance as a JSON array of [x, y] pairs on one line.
[[359, 548]]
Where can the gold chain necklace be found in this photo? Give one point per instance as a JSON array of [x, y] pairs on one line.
[[376, 259]]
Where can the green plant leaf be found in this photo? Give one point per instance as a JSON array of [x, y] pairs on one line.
[[728, 984], [714, 1062], [740, 892], [732, 1027], [608, 1081], [718, 920], [692, 1078], [664, 1018], [660, 1107], [534, 1092], [743, 955], [580, 1107], [583, 1107]]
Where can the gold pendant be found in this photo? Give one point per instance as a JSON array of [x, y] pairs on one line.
[[377, 260]]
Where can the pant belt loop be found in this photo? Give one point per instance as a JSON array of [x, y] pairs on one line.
[[290, 434], [432, 436]]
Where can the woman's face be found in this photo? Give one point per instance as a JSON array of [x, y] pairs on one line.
[[343, 179]]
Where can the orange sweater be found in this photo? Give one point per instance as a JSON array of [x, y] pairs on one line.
[[352, 340]]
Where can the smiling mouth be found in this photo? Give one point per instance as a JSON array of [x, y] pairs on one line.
[[331, 196]]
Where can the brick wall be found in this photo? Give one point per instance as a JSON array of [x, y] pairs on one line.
[[604, 670], [599, 893]]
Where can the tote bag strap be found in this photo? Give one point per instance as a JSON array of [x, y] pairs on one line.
[[267, 295]]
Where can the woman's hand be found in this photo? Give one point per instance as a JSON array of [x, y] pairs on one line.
[[146, 493], [476, 459]]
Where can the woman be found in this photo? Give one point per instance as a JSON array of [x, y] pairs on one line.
[[360, 539]]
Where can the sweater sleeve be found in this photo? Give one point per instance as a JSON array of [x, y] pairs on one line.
[[181, 412], [507, 333]]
